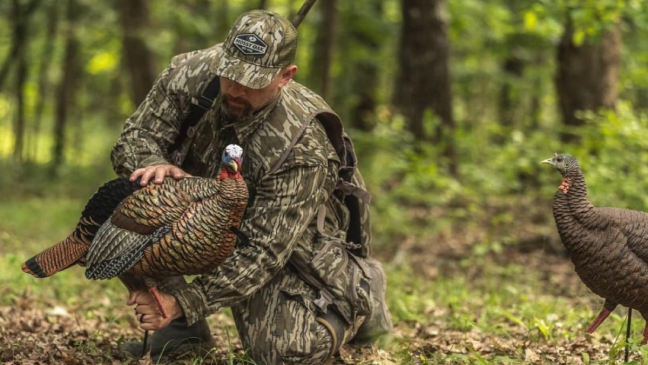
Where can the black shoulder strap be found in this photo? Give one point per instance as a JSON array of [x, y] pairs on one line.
[[205, 101]]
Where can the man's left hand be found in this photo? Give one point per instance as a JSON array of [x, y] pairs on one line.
[[148, 313]]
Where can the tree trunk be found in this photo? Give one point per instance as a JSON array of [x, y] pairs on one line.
[[222, 20], [21, 77], [536, 110], [323, 54], [587, 75], [513, 65], [292, 9], [67, 87], [366, 77], [43, 75], [114, 116], [134, 19], [513, 69], [189, 37], [263, 4], [365, 85], [21, 18], [424, 80], [79, 116], [509, 94], [20, 35]]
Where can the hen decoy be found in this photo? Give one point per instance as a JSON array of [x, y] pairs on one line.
[[181, 227], [608, 246]]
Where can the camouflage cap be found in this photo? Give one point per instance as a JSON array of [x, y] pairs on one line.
[[257, 47]]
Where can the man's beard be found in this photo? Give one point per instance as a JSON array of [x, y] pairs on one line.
[[234, 113]]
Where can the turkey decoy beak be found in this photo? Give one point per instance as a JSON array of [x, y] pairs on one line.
[[548, 161], [233, 165]]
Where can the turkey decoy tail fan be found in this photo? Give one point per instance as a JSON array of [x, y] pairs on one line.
[[56, 258], [72, 249]]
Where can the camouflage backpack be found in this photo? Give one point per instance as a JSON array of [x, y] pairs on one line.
[[340, 285], [350, 185]]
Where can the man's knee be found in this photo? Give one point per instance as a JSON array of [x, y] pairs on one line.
[[315, 350]]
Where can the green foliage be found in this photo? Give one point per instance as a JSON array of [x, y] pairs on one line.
[[613, 157], [416, 196]]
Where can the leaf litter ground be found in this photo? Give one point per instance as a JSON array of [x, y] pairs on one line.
[[452, 302]]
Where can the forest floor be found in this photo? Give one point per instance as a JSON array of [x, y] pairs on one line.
[[522, 304]]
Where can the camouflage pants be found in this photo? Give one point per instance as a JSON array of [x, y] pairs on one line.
[[278, 324]]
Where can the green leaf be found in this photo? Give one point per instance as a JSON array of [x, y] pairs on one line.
[[514, 319], [530, 20], [543, 328], [102, 62], [479, 358], [579, 37]]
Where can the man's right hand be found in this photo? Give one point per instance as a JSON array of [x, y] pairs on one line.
[[159, 172]]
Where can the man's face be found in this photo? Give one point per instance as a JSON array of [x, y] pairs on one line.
[[239, 102]]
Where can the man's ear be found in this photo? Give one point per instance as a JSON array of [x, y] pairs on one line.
[[286, 75]]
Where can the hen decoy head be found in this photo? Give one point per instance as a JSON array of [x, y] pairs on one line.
[[564, 163]]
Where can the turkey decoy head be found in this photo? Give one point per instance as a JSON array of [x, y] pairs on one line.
[[565, 164], [233, 160]]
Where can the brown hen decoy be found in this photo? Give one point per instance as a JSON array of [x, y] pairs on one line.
[[181, 227], [608, 246]]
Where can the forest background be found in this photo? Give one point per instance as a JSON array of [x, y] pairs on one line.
[[451, 105]]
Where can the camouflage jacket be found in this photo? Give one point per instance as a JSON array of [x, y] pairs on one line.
[[281, 214]]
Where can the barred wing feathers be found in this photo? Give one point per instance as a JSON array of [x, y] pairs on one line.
[[169, 229], [202, 237]]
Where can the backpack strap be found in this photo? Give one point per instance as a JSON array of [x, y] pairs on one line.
[[344, 149], [325, 296], [292, 144], [350, 188], [198, 107]]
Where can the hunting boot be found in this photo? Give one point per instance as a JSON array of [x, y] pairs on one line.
[[379, 321], [176, 338]]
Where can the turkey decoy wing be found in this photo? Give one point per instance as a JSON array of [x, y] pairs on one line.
[[634, 227], [126, 249], [152, 207], [140, 221]]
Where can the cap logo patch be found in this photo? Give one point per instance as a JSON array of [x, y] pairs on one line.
[[250, 44]]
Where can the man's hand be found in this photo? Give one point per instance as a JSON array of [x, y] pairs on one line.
[[159, 171], [148, 313]]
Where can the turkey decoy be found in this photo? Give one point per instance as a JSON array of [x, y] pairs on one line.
[[140, 234], [608, 246]]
